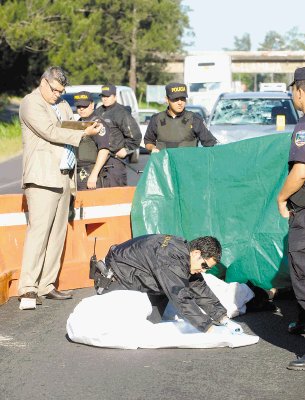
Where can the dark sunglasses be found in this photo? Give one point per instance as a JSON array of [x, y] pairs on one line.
[[204, 265]]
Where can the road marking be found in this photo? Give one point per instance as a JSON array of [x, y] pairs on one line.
[[8, 341], [10, 184]]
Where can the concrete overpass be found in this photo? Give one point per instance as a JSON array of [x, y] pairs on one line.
[[250, 62]]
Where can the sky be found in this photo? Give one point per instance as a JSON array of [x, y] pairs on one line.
[[216, 22]]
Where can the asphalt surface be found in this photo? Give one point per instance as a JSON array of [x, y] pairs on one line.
[[37, 361], [11, 170]]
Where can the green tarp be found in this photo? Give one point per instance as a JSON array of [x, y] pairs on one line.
[[225, 191]]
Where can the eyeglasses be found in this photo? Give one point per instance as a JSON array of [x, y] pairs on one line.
[[56, 91]]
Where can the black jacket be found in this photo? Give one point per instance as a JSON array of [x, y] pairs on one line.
[[124, 130], [160, 264]]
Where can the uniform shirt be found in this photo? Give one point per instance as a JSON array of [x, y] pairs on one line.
[[160, 264], [297, 155], [297, 149], [124, 130], [199, 128], [101, 140]]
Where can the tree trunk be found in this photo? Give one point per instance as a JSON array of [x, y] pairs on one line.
[[133, 56]]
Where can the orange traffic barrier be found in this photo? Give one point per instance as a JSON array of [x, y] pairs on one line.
[[103, 214]]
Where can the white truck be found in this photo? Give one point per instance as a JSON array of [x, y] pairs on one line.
[[207, 75]]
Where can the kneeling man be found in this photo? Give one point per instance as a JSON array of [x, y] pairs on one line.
[[161, 266]]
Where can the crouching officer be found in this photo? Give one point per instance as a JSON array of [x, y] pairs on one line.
[[125, 136], [161, 266], [176, 127], [291, 204], [92, 152]]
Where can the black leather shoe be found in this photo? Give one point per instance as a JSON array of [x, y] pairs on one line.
[[57, 295], [296, 328], [297, 365]]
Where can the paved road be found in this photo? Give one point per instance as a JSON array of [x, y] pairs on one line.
[[10, 174], [37, 362]]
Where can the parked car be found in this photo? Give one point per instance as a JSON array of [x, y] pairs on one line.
[[145, 115], [198, 109], [239, 116], [125, 96]]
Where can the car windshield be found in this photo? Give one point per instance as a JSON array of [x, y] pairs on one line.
[[253, 111]]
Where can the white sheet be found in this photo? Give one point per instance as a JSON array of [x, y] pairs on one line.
[[118, 320], [233, 296]]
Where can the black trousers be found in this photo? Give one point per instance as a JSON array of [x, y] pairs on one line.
[[114, 173], [296, 258], [83, 174]]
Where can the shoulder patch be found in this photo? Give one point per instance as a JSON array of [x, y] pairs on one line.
[[300, 138], [166, 241]]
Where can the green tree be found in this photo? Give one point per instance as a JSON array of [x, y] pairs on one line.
[[273, 41], [294, 40], [243, 43], [94, 40]]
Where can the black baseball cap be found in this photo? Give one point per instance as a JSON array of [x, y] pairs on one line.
[[108, 90], [82, 99], [299, 75], [175, 90]]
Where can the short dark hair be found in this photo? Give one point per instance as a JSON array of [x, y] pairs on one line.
[[209, 247], [55, 73], [300, 85]]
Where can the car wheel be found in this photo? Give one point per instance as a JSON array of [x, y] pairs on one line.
[[134, 157]]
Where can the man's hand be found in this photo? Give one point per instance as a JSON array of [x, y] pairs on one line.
[[155, 150], [93, 129], [283, 210], [233, 327], [91, 183], [122, 153]]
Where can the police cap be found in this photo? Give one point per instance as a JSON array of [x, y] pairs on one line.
[[82, 99], [175, 90], [108, 90], [299, 75]]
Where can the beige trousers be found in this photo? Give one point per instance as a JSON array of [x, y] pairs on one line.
[[45, 237]]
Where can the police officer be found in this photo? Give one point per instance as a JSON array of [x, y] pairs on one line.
[[93, 152], [161, 266], [125, 136], [291, 204], [176, 127]]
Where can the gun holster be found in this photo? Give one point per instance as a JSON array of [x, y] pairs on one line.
[[93, 267]]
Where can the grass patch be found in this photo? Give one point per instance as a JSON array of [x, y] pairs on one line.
[[10, 139]]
